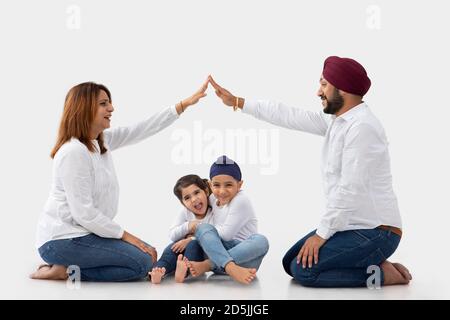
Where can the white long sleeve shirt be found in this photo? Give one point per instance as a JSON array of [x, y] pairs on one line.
[[355, 164], [85, 192], [235, 220], [180, 227]]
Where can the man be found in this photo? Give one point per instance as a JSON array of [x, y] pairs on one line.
[[361, 226]]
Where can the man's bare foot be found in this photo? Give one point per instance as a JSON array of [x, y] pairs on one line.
[[198, 268], [50, 272], [403, 270], [240, 274], [182, 268], [156, 275], [395, 273]]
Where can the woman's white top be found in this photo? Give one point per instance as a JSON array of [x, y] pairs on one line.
[[84, 193]]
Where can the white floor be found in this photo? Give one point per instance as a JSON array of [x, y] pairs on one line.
[[272, 283]]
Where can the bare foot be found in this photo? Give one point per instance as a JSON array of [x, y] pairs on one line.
[[198, 268], [393, 275], [182, 268], [240, 274], [157, 274], [403, 270], [50, 272]]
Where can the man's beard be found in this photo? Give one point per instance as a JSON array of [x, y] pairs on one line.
[[334, 104]]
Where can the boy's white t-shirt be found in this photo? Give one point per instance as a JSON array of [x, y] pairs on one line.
[[236, 220]]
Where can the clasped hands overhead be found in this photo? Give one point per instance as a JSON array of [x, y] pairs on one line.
[[226, 96]]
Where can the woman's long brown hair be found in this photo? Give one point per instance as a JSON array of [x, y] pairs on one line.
[[80, 108]]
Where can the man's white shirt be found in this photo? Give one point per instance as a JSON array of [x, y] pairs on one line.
[[355, 164]]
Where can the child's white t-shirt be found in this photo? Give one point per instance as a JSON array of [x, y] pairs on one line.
[[236, 219]]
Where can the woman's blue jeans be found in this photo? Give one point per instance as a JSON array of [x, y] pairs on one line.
[[99, 259], [344, 259], [248, 253]]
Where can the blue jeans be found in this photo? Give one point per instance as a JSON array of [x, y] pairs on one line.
[[343, 259], [168, 259], [99, 259], [248, 253]]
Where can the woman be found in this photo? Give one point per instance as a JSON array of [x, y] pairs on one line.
[[77, 227]]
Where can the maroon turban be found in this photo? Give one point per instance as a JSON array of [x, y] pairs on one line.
[[347, 75]]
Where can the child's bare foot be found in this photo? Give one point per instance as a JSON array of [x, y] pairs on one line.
[[157, 274], [50, 272], [240, 274], [198, 268], [395, 273], [182, 268]]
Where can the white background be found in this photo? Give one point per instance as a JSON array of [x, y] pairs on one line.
[[151, 54]]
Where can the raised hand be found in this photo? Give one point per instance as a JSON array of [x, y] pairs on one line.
[[200, 93], [227, 97]]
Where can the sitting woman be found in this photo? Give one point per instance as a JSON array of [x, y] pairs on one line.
[[77, 226]]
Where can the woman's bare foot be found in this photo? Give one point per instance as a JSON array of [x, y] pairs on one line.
[[157, 274], [50, 272], [198, 268], [395, 273], [182, 268], [240, 274]]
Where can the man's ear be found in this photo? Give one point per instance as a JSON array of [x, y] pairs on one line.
[[240, 184], [342, 93]]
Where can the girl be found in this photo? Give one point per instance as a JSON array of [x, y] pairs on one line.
[[231, 243], [193, 192], [77, 226]]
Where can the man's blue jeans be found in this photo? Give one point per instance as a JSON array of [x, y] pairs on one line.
[[168, 260], [344, 258], [99, 259], [248, 253]]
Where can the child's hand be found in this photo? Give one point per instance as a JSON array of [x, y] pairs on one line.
[[193, 226], [180, 245]]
